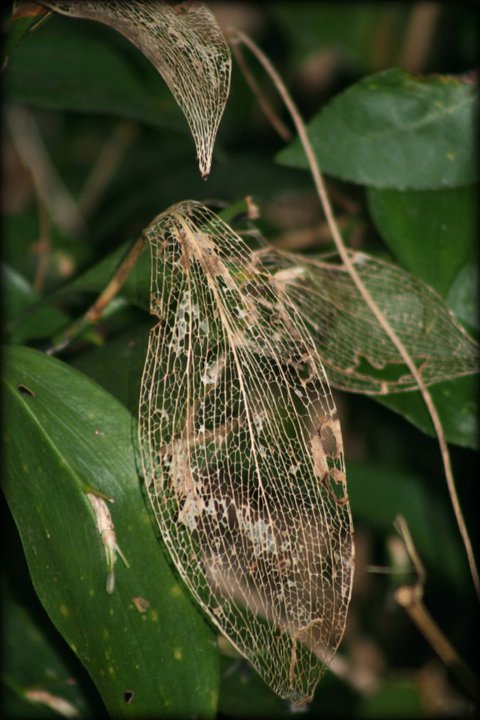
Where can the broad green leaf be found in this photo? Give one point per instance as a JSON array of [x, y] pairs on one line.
[[79, 67], [145, 645], [19, 299], [431, 233], [378, 494], [457, 405], [463, 296], [396, 130]]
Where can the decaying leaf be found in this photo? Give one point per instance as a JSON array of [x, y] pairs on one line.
[[106, 529], [357, 353], [242, 452], [185, 44]]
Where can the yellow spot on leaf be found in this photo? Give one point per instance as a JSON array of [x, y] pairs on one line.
[[64, 610], [177, 654]]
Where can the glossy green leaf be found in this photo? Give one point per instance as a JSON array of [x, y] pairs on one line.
[[77, 66], [146, 647], [431, 233], [457, 405], [378, 494], [396, 130]]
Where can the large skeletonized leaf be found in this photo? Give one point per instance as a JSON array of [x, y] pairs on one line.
[[242, 452], [184, 43], [358, 354]]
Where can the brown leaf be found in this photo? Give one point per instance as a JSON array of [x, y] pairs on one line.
[[184, 43], [357, 353], [242, 452]]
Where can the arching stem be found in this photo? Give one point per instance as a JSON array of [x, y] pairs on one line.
[[237, 35]]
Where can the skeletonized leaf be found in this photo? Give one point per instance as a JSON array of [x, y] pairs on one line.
[[358, 354], [242, 452], [184, 42]]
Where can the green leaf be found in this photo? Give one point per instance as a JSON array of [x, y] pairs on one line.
[[431, 233], [64, 437], [118, 365], [21, 24], [396, 698], [78, 66], [456, 402], [396, 130], [378, 494], [33, 661], [23, 322], [462, 297]]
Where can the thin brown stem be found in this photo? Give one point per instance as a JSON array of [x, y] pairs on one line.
[[419, 34], [265, 105], [410, 597], [48, 185], [43, 246], [345, 257], [95, 312]]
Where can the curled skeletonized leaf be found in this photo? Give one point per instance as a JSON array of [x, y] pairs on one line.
[[358, 354], [184, 42], [242, 452]]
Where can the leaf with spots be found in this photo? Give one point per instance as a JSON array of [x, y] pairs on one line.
[[67, 441], [397, 130], [185, 44], [242, 452]]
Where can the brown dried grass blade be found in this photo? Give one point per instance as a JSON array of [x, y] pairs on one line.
[[185, 44], [242, 452]]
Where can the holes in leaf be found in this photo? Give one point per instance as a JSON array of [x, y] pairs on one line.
[[128, 697], [24, 390]]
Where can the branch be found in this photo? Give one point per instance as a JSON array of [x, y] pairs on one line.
[[410, 597]]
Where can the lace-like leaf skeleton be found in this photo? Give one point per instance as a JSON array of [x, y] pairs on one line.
[[185, 44], [242, 452]]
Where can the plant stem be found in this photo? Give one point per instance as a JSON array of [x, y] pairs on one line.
[[389, 331], [95, 312], [48, 185], [410, 597], [269, 112]]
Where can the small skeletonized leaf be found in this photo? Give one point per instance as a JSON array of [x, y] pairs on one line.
[[185, 44], [356, 351], [242, 452]]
